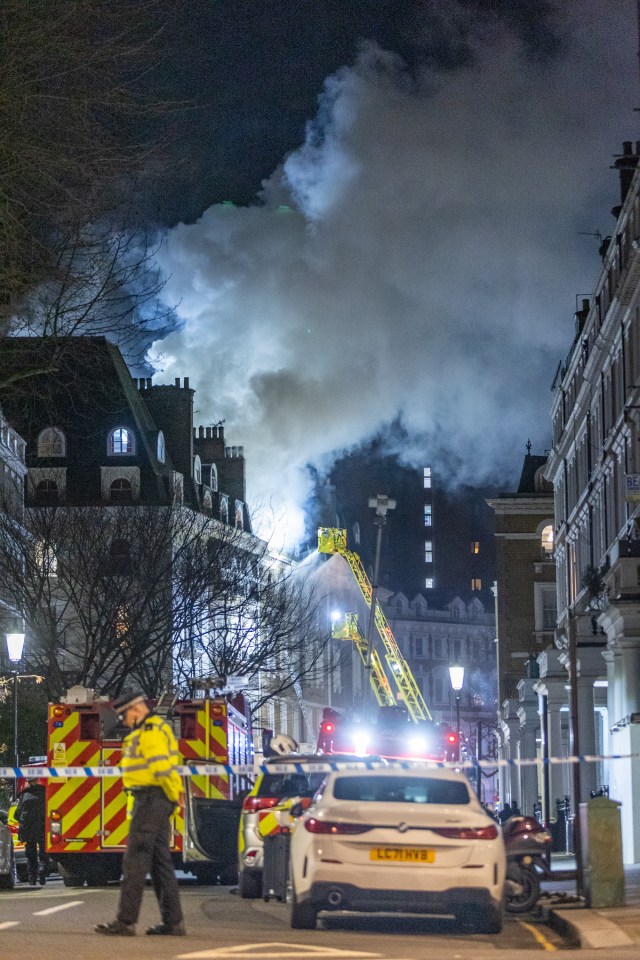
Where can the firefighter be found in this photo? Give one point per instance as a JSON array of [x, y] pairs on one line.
[[149, 760], [30, 814]]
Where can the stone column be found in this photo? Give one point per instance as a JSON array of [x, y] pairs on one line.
[[529, 785], [553, 682], [509, 726]]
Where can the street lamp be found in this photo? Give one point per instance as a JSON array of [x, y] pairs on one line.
[[456, 675], [381, 503], [15, 646]]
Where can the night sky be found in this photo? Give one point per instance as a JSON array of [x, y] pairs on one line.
[[377, 216]]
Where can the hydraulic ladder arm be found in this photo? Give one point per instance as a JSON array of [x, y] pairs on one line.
[[347, 629], [333, 540]]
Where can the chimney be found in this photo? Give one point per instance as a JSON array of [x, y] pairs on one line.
[[626, 165], [149, 383], [581, 316], [241, 451], [201, 432], [177, 382], [186, 383]]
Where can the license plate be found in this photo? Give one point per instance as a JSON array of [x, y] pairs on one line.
[[402, 854]]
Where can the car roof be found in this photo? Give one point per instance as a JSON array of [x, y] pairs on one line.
[[320, 758], [437, 773]]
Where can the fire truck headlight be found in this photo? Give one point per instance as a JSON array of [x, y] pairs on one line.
[[360, 743], [418, 745], [55, 829]]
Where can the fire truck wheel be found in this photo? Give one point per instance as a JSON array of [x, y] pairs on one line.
[[250, 885], [72, 879]]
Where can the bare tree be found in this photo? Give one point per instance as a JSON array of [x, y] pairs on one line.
[[154, 595], [76, 124]]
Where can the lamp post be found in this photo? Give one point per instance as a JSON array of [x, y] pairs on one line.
[[381, 503], [15, 646], [456, 675]]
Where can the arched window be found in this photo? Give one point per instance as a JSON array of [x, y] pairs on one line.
[[52, 443], [47, 493], [121, 441], [224, 509], [197, 469], [119, 558], [121, 491], [546, 540], [160, 452], [239, 516]]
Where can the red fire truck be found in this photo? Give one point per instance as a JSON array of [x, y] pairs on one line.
[[87, 822], [393, 735]]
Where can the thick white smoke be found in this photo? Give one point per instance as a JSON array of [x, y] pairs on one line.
[[418, 257]]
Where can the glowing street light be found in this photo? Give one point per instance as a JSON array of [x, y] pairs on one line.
[[456, 675], [15, 646]]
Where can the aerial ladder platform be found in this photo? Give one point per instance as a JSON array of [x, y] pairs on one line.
[[347, 628], [334, 540]]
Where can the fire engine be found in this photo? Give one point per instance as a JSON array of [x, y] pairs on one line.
[[403, 728], [87, 823], [393, 735]]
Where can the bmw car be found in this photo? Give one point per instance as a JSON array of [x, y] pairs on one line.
[[404, 841]]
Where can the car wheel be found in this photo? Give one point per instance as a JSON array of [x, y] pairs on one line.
[[250, 884], [304, 916], [9, 880], [483, 919]]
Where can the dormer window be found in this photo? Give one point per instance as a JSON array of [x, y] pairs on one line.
[[47, 493], [52, 443], [160, 452], [121, 442], [121, 491]]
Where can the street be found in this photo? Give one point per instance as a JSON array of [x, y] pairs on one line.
[[57, 923]]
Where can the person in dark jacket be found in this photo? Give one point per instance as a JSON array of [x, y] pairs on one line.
[[30, 814], [505, 813]]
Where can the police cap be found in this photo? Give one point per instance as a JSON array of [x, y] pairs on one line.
[[128, 698]]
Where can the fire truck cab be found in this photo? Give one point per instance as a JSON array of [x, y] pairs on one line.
[[393, 735], [87, 823]]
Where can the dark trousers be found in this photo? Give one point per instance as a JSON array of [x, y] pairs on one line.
[[31, 850], [148, 852]]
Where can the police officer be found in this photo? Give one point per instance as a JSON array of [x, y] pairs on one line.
[[30, 814], [149, 760]]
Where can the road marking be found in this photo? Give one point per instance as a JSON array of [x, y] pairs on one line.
[[537, 935], [9, 923], [62, 906], [266, 951]]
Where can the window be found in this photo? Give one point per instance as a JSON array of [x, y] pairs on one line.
[[52, 443], [475, 546], [121, 491], [47, 493], [160, 451], [476, 583], [46, 560], [437, 690], [427, 514], [224, 509], [546, 541], [419, 647], [197, 469], [119, 564], [121, 441], [239, 516], [428, 551], [428, 583], [427, 478], [378, 788]]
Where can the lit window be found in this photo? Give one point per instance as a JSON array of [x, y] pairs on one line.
[[161, 447], [239, 516], [475, 546], [476, 583], [46, 560], [427, 514], [546, 541], [121, 491], [428, 583], [121, 441], [197, 469], [52, 443], [427, 478], [428, 551]]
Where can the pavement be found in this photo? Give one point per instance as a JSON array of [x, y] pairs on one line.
[[591, 927]]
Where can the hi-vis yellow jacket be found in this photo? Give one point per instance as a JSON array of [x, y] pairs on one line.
[[150, 756]]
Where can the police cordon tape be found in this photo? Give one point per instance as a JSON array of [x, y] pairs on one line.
[[311, 766]]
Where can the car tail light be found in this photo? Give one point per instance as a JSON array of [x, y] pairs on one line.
[[252, 804], [13, 828], [328, 826], [467, 833]]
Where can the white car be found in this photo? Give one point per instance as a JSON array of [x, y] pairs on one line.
[[8, 878], [407, 841]]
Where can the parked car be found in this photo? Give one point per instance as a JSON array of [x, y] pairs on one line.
[[408, 841], [8, 877]]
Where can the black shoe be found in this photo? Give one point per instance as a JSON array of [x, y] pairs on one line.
[[42, 876], [167, 930], [116, 928], [33, 880]]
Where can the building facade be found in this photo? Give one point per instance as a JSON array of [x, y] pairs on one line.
[[595, 470]]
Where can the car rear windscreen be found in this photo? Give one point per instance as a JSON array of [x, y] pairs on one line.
[[383, 789], [287, 785]]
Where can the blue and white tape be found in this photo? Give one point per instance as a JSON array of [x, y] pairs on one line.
[[311, 766]]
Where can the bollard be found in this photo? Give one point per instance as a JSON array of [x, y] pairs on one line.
[[601, 837]]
